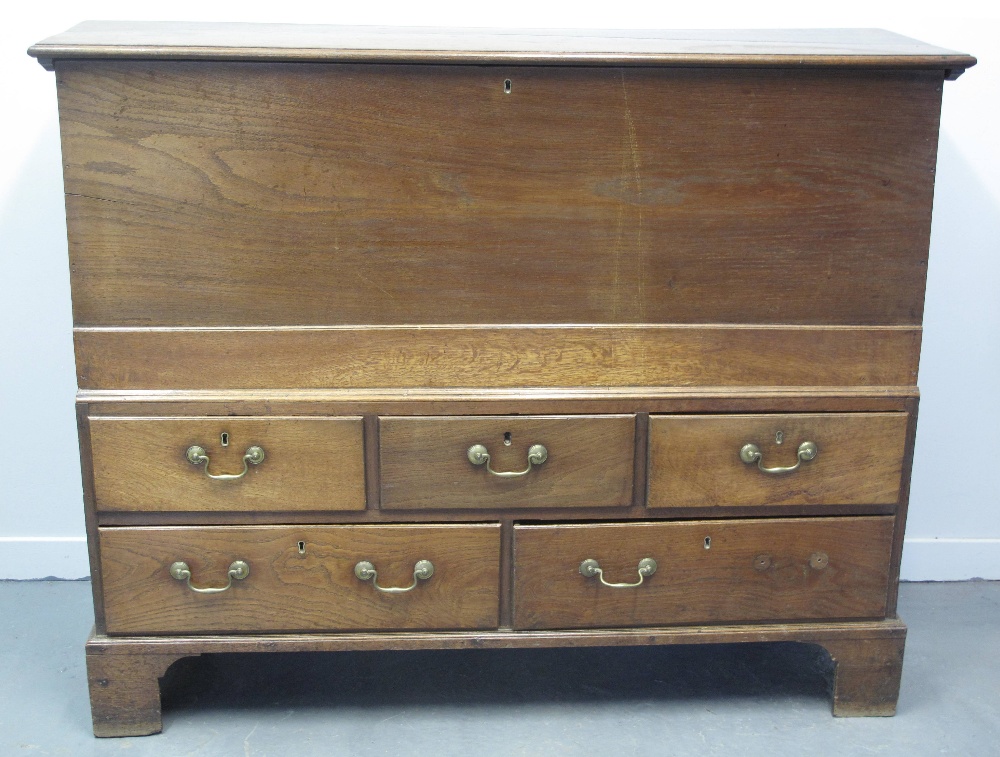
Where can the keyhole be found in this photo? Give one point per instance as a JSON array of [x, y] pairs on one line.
[[779, 437], [506, 86], [224, 439], [302, 547], [506, 439], [708, 542]]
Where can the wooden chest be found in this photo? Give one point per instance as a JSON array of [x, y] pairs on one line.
[[396, 339]]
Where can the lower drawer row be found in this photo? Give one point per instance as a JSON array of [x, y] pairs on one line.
[[253, 579]]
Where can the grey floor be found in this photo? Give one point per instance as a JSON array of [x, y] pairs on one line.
[[746, 700]]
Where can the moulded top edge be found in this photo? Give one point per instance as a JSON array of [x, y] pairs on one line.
[[874, 48]]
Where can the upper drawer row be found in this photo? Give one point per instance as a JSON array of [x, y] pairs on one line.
[[242, 464]]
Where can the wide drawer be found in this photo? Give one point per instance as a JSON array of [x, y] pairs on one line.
[[299, 578], [147, 464], [550, 461], [721, 571], [854, 458]]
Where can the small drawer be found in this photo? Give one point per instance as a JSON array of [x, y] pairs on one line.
[[228, 464], [721, 571], [501, 461], [300, 578], [747, 460]]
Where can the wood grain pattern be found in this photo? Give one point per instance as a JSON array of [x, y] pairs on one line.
[[425, 465], [692, 47], [90, 514], [310, 464], [229, 194], [694, 460], [287, 590], [125, 692], [697, 585], [492, 357], [806, 632], [903, 507], [867, 675]]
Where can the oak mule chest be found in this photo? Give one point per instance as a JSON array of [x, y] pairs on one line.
[[410, 339]]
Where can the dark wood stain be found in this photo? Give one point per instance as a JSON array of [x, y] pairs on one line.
[[140, 464], [590, 195], [425, 465], [288, 590], [694, 460], [693, 584]]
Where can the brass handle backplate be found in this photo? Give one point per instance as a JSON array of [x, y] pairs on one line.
[[750, 454], [590, 568], [423, 570], [238, 570], [479, 455], [253, 456]]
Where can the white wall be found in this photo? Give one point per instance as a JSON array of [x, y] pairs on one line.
[[954, 529]]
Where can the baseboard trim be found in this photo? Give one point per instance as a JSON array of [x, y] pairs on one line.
[[23, 558], [950, 559], [924, 558]]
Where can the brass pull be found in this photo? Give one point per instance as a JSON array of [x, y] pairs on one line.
[[423, 570], [238, 570], [478, 455], [196, 456], [750, 454], [590, 568]]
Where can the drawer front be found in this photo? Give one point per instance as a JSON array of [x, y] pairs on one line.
[[696, 461], [587, 461], [300, 578], [750, 570], [147, 464]]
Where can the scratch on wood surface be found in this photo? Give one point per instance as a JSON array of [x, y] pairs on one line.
[[101, 199], [365, 280]]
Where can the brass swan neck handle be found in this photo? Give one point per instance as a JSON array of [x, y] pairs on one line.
[[197, 455], [479, 455], [750, 454]]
